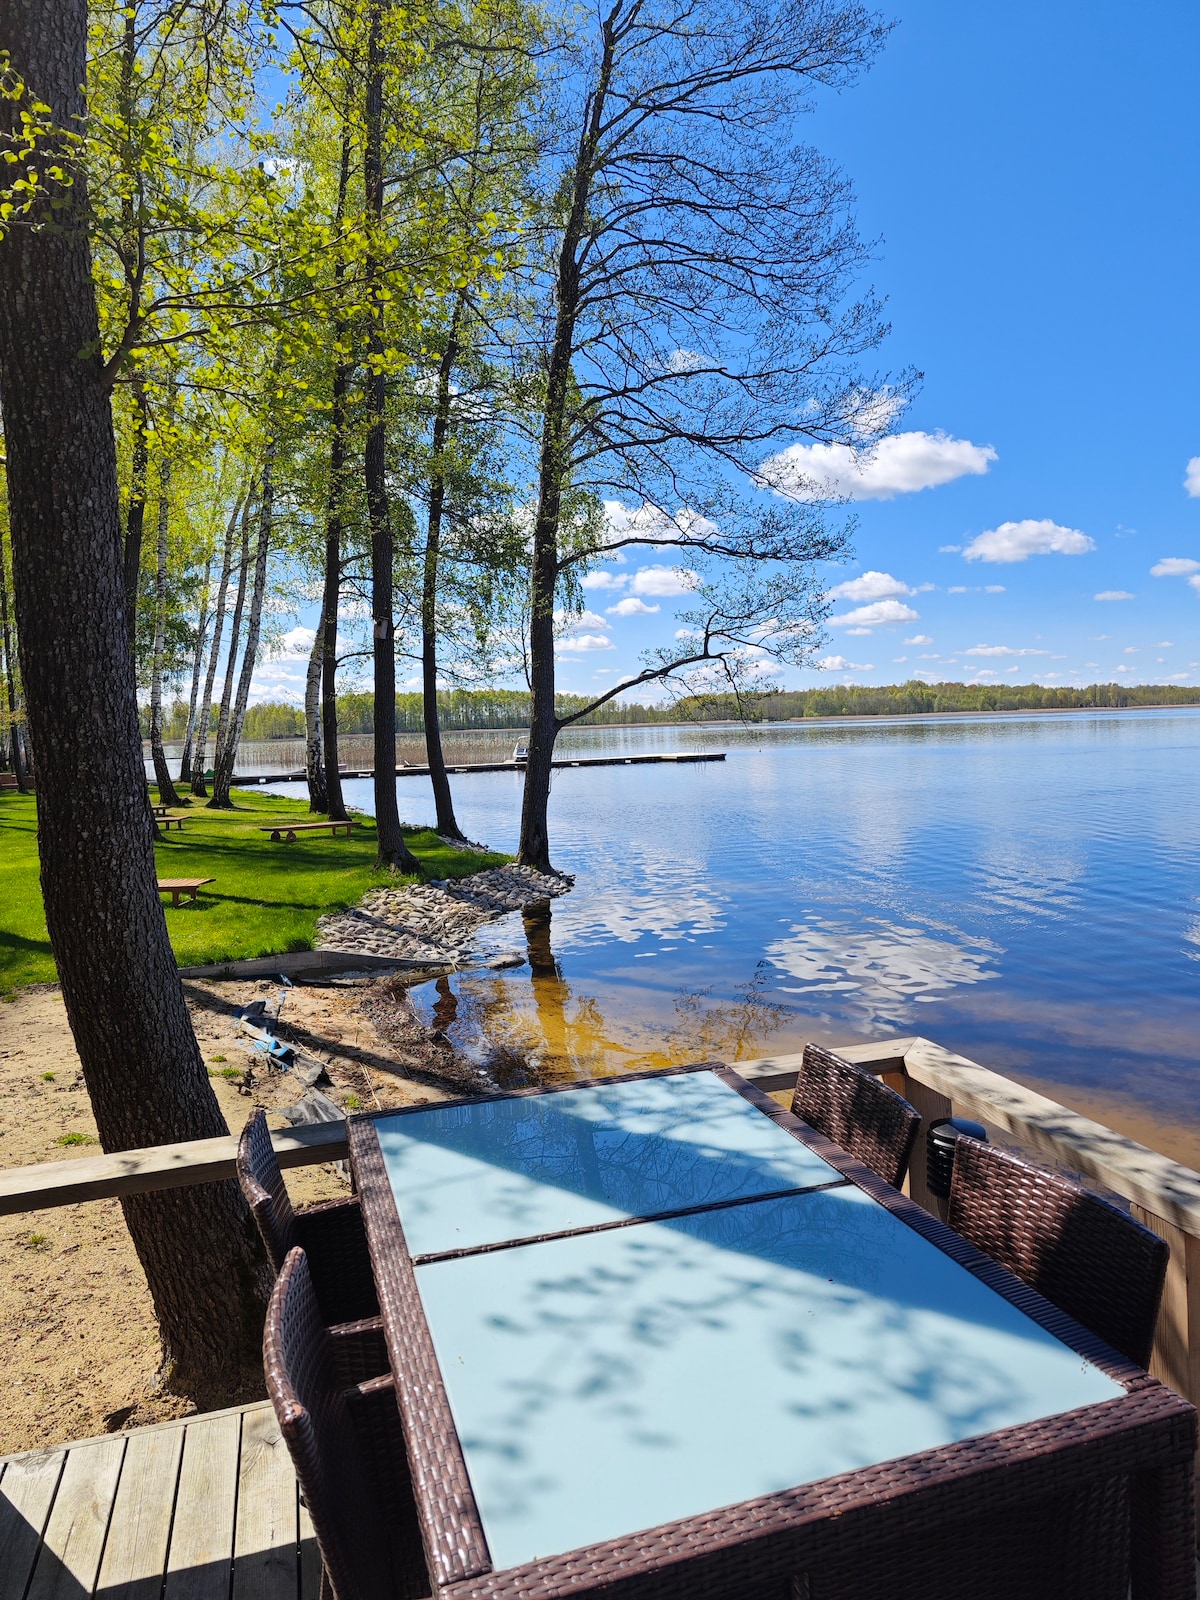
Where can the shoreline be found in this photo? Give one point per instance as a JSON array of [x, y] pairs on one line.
[[736, 722]]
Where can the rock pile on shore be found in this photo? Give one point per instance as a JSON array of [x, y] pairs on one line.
[[432, 923]]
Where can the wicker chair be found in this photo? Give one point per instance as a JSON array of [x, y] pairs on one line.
[[1094, 1262], [870, 1121], [347, 1447], [331, 1234]]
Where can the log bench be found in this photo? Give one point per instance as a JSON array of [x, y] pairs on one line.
[[287, 831], [176, 887]]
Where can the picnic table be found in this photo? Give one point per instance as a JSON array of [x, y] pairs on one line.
[[287, 831], [657, 1332], [166, 822], [176, 887]]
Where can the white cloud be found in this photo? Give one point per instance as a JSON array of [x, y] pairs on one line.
[[994, 588], [875, 615], [1122, 669], [687, 633], [1165, 644], [585, 642], [919, 638], [1002, 650], [902, 463], [579, 619], [1191, 481], [602, 579], [870, 586], [957, 588], [899, 660], [840, 664], [1017, 541], [295, 645], [853, 631], [1174, 566], [1130, 650], [631, 606], [949, 549], [1114, 594], [664, 581]]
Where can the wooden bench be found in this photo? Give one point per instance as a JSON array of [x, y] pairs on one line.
[[166, 823], [182, 886], [287, 831]]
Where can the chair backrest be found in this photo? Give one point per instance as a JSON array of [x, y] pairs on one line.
[[1093, 1261], [266, 1193], [870, 1121], [315, 1421]]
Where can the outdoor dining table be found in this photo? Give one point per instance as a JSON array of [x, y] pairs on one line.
[[657, 1336]]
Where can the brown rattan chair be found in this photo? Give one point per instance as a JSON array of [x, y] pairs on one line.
[[347, 1447], [331, 1234], [1096, 1263], [870, 1121]]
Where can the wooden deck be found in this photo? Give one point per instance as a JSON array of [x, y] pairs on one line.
[[203, 1509]]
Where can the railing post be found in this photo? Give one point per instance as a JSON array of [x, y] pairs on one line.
[[931, 1105]]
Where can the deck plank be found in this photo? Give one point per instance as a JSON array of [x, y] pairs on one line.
[[27, 1488], [200, 1558], [135, 1554], [267, 1534], [73, 1543], [310, 1557]]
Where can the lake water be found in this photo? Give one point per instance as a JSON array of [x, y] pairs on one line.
[[1023, 889]]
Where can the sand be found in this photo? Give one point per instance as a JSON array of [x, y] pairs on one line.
[[80, 1349]]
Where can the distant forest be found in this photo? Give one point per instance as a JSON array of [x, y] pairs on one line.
[[465, 709]]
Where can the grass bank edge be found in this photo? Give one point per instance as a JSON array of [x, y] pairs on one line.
[[266, 898]]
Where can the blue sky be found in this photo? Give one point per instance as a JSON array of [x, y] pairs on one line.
[[1032, 174]]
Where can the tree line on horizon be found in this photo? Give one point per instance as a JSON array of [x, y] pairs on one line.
[[466, 710]]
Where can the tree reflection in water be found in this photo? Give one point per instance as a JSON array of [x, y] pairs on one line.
[[527, 1030]]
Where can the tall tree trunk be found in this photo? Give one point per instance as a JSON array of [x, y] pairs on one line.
[[135, 513], [447, 822], [235, 636], [199, 786], [393, 852], [227, 755], [120, 982], [314, 762], [554, 463], [331, 598], [185, 760], [162, 775], [10, 680]]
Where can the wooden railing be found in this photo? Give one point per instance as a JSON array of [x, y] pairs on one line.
[[1161, 1193]]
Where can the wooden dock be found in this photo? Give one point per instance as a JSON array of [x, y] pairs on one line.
[[207, 1508], [492, 766]]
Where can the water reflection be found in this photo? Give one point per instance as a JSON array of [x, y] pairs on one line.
[[879, 969], [542, 1030], [1024, 889]]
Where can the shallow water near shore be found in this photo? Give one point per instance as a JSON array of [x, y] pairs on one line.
[[1023, 889]]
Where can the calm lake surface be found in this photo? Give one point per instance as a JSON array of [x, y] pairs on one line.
[[1023, 889]]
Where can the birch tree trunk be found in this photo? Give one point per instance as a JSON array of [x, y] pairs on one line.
[[10, 681], [235, 636], [135, 515], [199, 784], [120, 983], [227, 755], [185, 761], [162, 775], [314, 762]]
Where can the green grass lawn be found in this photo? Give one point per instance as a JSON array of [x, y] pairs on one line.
[[266, 898]]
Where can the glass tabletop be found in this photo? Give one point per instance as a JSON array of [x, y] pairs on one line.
[[494, 1170], [608, 1382]]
